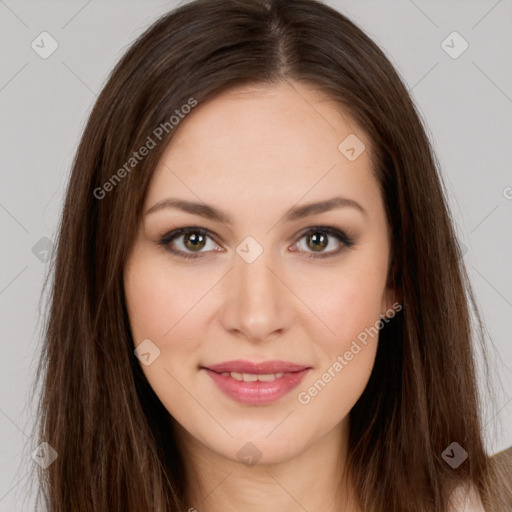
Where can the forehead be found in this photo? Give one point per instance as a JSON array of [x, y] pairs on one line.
[[271, 143], [257, 118]]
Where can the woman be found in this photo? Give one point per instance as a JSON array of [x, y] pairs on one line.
[[259, 301]]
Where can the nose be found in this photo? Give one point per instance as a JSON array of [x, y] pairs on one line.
[[258, 305]]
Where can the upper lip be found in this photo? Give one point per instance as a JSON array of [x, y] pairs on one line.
[[264, 367]]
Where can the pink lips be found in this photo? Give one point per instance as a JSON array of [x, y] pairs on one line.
[[257, 392]]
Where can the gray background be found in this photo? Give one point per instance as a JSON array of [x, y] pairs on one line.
[[466, 103]]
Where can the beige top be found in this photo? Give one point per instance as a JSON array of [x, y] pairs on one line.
[[465, 500]]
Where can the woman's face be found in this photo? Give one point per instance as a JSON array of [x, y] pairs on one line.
[[260, 275]]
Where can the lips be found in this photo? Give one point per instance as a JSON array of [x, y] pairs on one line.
[[264, 367], [252, 383]]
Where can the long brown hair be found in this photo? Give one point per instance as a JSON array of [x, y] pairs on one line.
[[97, 411]]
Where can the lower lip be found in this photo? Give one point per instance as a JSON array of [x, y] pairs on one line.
[[257, 393]]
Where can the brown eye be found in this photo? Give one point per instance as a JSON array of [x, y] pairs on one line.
[[317, 241], [194, 240]]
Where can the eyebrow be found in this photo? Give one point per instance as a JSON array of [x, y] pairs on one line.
[[294, 213]]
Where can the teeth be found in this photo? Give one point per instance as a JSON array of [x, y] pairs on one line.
[[267, 377], [252, 377]]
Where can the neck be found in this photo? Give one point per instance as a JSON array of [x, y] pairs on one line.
[[314, 479]]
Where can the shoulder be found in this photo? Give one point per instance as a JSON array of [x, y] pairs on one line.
[[504, 458], [467, 499]]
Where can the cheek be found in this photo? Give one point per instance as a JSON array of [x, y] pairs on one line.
[[160, 307], [333, 390], [349, 304], [352, 314], [346, 303], [160, 312], [347, 350], [158, 299]]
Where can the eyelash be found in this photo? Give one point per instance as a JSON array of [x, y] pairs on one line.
[[341, 236]]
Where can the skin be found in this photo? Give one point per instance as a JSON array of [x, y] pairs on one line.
[[261, 149]]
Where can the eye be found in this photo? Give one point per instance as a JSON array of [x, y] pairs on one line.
[[195, 239], [317, 239]]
